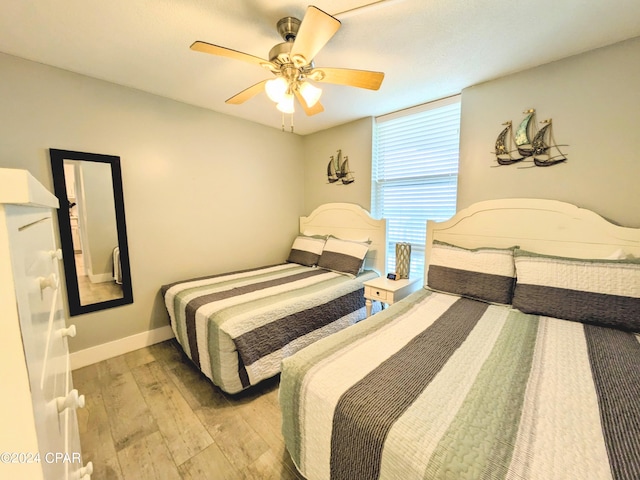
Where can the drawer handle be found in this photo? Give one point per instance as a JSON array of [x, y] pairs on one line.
[[378, 293], [68, 332], [71, 401], [48, 282], [55, 254], [86, 471]]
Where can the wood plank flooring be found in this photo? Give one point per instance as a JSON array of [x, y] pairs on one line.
[[95, 292], [150, 414]]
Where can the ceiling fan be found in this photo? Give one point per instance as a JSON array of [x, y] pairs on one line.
[[292, 64]]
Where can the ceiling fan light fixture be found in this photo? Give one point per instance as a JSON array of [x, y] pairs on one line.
[[292, 63], [286, 104], [310, 93], [276, 89]]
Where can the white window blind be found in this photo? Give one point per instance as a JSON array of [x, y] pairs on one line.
[[415, 173]]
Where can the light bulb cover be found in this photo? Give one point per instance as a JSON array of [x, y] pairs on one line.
[[310, 93], [276, 88], [286, 104]]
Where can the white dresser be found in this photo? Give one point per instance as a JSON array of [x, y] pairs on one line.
[[38, 425]]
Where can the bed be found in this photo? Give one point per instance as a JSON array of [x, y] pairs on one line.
[[237, 327], [520, 359]]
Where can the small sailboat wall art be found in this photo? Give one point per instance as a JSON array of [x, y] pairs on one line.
[[527, 143], [338, 170], [346, 175], [505, 153], [525, 132], [544, 145], [332, 172], [512, 148]]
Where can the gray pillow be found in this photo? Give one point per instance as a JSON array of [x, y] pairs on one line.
[[306, 250], [485, 273], [595, 291], [343, 256]]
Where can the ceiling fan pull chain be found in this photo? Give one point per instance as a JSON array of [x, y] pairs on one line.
[[283, 121], [292, 123]]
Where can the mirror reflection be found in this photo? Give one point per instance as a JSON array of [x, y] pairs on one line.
[[92, 216], [92, 230]]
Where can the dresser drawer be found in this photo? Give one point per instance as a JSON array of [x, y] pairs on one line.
[[53, 378], [41, 313], [375, 294]]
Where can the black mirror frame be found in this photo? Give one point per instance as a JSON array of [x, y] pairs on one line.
[[60, 188]]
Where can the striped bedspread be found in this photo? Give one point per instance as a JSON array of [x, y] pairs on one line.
[[442, 387], [237, 327]]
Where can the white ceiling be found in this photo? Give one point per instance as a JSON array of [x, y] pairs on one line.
[[428, 49]]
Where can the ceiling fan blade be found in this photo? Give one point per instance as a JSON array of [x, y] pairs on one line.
[[315, 31], [247, 93], [346, 76], [205, 47], [317, 108]]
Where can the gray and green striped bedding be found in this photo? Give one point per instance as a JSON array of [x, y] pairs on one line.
[[444, 387], [237, 327]]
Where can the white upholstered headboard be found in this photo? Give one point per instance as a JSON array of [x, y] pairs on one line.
[[350, 222], [545, 226]]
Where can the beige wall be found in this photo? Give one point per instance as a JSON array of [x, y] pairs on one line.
[[199, 196], [594, 101], [355, 141]]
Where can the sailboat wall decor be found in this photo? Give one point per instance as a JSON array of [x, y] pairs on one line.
[[332, 171], [544, 147], [527, 143], [525, 132], [338, 170], [505, 153]]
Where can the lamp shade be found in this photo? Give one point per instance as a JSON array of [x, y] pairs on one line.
[[286, 104], [310, 93], [276, 89], [403, 259]]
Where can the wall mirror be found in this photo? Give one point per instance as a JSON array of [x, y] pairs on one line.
[[93, 232]]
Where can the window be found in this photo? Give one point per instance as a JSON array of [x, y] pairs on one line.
[[415, 173]]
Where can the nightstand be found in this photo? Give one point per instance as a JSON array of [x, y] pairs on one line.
[[388, 291]]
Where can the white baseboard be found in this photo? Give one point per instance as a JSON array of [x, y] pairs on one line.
[[96, 354]]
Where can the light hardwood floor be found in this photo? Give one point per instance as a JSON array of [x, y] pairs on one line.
[[150, 414], [94, 292]]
